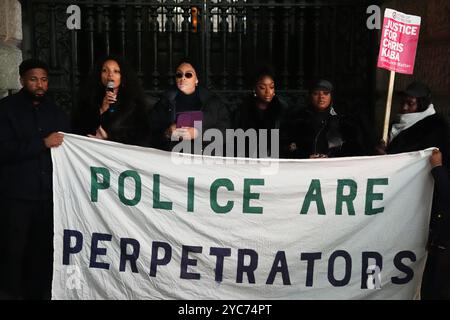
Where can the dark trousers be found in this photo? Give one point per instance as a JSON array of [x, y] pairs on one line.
[[26, 264], [436, 277]]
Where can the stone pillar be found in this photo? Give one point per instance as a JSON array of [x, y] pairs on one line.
[[10, 42]]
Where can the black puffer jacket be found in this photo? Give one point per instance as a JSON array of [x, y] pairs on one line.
[[426, 133], [215, 115], [326, 132]]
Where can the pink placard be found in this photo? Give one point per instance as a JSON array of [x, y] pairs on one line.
[[399, 38]]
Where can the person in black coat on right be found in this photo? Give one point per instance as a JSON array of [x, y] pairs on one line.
[[419, 127], [436, 281]]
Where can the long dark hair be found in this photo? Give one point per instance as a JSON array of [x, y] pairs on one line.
[[130, 96], [130, 91]]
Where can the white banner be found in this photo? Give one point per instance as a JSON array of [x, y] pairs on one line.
[[137, 223]]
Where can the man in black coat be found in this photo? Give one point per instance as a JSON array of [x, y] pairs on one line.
[[419, 127], [29, 127]]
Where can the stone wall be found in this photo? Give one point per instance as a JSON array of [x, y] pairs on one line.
[[433, 55], [10, 42]]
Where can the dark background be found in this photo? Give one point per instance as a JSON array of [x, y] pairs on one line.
[[302, 40]]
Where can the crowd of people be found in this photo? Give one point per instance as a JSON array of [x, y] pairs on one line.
[[113, 107]]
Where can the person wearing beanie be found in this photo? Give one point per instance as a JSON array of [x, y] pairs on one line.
[[417, 127], [318, 131], [421, 93], [30, 125]]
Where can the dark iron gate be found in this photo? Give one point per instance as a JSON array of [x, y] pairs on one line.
[[225, 38]]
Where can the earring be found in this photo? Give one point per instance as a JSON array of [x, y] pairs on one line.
[[254, 93]]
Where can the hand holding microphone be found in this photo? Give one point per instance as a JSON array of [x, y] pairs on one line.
[[110, 98]]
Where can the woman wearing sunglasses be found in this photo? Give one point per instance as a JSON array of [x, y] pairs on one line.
[[112, 105], [187, 110]]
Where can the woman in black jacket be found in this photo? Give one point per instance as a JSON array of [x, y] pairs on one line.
[[112, 105], [187, 111], [263, 111], [318, 131]]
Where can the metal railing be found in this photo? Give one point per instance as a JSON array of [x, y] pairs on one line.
[[227, 39]]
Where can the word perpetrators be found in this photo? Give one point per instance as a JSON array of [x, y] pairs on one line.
[[247, 261]]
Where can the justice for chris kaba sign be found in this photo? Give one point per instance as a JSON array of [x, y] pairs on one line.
[[399, 38], [132, 224]]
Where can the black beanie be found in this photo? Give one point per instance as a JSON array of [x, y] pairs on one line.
[[31, 64], [421, 92], [322, 84]]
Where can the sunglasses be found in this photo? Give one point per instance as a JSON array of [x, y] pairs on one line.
[[180, 75]]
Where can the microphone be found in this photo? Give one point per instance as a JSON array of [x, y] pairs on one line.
[[110, 88]]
